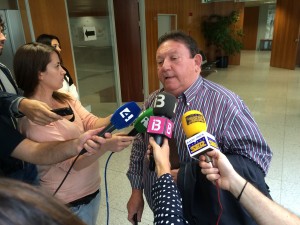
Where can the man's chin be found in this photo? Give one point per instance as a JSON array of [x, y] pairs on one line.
[[171, 91]]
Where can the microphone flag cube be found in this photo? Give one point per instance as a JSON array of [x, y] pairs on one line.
[[160, 126], [201, 143]]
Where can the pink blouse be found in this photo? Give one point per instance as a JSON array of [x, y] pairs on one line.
[[78, 183]]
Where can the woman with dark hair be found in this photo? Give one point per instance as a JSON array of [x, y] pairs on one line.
[[39, 73], [21, 203], [52, 40]]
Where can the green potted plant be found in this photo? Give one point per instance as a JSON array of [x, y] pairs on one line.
[[221, 32]]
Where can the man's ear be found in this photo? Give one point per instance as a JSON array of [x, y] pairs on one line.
[[198, 59]]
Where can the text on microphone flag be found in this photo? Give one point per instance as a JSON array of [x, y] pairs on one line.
[[201, 143], [160, 125], [193, 118]]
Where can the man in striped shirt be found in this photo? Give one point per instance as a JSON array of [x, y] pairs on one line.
[[228, 119]]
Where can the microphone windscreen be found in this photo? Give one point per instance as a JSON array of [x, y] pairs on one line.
[[165, 105], [141, 122], [125, 115], [193, 122]]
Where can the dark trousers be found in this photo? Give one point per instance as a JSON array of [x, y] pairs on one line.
[[27, 174], [200, 197]]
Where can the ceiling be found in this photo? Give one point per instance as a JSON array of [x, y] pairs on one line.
[[249, 3], [87, 7], [99, 7]]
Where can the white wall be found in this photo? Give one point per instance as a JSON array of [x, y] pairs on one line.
[[101, 25]]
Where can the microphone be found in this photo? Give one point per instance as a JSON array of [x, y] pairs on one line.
[[141, 123], [199, 141], [121, 118], [160, 125]]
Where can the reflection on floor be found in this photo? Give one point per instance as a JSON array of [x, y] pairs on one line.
[[273, 97]]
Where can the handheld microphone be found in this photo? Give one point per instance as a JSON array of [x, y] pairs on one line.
[[121, 118], [160, 125], [199, 141], [141, 123]]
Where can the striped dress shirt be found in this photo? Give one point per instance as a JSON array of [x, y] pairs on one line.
[[227, 118]]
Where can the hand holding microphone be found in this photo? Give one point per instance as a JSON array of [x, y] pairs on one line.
[[199, 141], [160, 125], [161, 156], [121, 118], [223, 172]]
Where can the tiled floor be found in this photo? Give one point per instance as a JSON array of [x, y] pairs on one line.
[[273, 96]]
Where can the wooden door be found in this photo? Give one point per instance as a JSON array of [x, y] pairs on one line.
[[129, 49], [286, 34], [50, 17], [250, 27]]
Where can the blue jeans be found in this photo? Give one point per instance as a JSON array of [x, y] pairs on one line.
[[88, 213]]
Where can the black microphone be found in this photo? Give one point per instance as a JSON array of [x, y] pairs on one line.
[[160, 125], [122, 117]]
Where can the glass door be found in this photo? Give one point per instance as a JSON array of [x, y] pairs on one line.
[[93, 54]]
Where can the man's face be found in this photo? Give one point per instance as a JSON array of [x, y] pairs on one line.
[[176, 69], [2, 39]]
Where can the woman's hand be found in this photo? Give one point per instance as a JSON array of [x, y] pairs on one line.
[[117, 142], [161, 156]]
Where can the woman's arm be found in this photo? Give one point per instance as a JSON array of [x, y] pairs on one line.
[[57, 151]]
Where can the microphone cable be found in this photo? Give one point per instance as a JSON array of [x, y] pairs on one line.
[[105, 183], [209, 160], [106, 189], [65, 177], [220, 203]]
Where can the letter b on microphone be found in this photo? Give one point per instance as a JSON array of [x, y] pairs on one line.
[[160, 126], [159, 101]]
